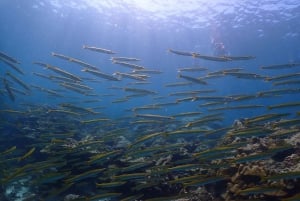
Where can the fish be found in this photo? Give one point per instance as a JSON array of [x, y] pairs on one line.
[[184, 114], [13, 148], [153, 116], [280, 66], [166, 104], [8, 90], [49, 91], [78, 85], [77, 108], [149, 71], [87, 174], [62, 79], [183, 93], [284, 133], [223, 72], [124, 59], [182, 53], [146, 137], [29, 153], [133, 197], [121, 100], [40, 64], [135, 166], [186, 179], [286, 82], [130, 65], [177, 84], [265, 117], [93, 121], [235, 107], [192, 98], [110, 184], [254, 157], [186, 132], [102, 156], [211, 58], [139, 83], [243, 97], [19, 91], [286, 123], [276, 92], [61, 56], [192, 79], [52, 177], [129, 177], [257, 190], [137, 90], [146, 121], [84, 64], [12, 65], [20, 82], [146, 107], [235, 58], [97, 49], [218, 131], [12, 111], [284, 105], [245, 75], [41, 75], [135, 77], [250, 132], [73, 88], [192, 69], [211, 76], [217, 150], [100, 74], [283, 77], [202, 121], [60, 71], [8, 58]]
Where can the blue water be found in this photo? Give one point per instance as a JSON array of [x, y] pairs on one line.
[[31, 30]]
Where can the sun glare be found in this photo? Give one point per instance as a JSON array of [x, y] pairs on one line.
[[152, 5]]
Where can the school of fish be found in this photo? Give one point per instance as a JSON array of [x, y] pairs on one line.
[[71, 148]]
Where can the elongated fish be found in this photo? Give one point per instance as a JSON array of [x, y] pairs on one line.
[[180, 52], [9, 58], [280, 66], [12, 65], [29, 153], [235, 58], [210, 58], [284, 105], [100, 74], [130, 76], [124, 59], [97, 49], [59, 71], [20, 82], [192, 79], [130, 65], [153, 116], [8, 90], [61, 56], [192, 69]]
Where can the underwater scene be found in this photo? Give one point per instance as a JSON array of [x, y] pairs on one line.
[[148, 100]]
